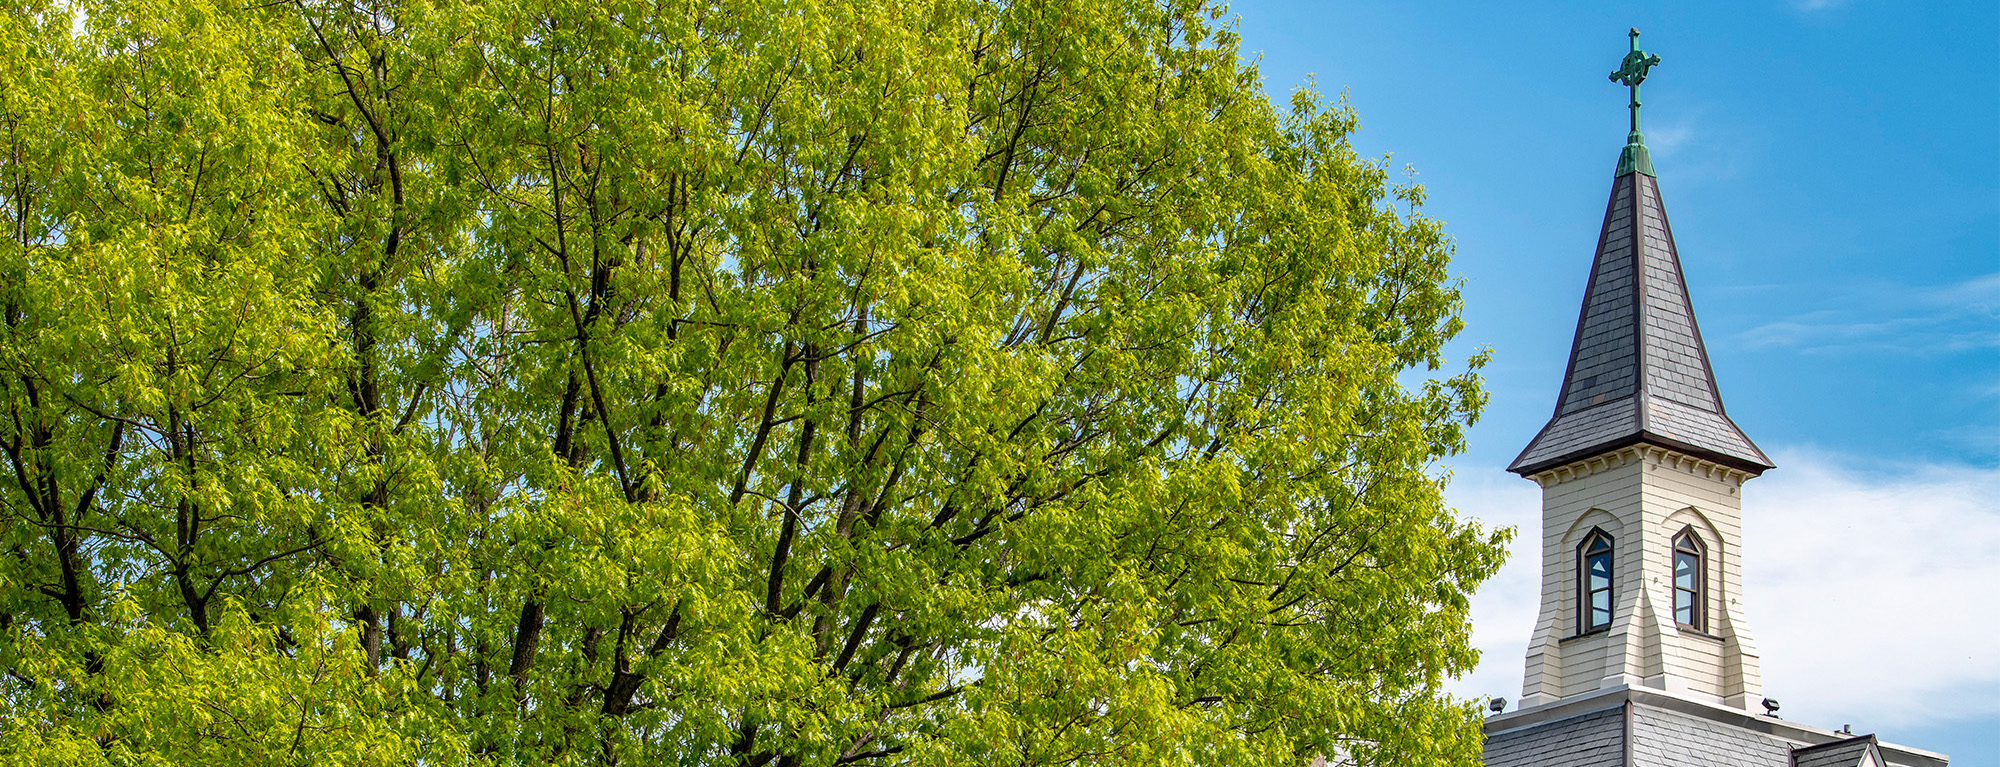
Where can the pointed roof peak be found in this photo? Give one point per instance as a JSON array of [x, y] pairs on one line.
[[1638, 371], [1635, 158]]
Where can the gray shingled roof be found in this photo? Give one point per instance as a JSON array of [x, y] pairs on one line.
[[1595, 739], [1663, 738], [1637, 727], [1637, 369], [1659, 738]]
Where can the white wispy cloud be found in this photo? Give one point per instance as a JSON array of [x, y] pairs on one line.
[[1666, 139], [1979, 294], [1870, 590], [1922, 320], [1698, 146], [1873, 592]]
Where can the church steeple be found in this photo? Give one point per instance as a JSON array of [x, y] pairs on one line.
[[1641, 474], [1641, 654], [1638, 373]]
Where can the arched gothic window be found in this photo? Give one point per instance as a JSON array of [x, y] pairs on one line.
[[1690, 580], [1593, 559]]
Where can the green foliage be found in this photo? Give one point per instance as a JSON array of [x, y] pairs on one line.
[[816, 382]]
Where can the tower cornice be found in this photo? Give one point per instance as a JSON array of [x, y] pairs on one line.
[[1654, 455]]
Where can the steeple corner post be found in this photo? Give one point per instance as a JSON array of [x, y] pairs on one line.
[[1543, 681], [1643, 654], [1743, 672]]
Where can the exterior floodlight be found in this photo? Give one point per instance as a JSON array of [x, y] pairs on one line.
[[1770, 707], [1497, 705]]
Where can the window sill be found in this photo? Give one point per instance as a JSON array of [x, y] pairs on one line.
[[1591, 633], [1687, 630]]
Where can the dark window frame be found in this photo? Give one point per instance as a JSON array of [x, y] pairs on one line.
[[1688, 543], [1596, 543]]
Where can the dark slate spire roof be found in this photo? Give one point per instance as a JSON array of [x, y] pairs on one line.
[[1637, 369]]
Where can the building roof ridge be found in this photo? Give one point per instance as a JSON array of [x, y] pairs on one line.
[[1858, 739]]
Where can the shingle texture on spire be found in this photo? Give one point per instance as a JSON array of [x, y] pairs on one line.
[[1637, 369]]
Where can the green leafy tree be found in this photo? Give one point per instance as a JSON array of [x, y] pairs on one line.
[[733, 383]]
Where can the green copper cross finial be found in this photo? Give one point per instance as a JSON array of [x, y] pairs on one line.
[[1631, 72]]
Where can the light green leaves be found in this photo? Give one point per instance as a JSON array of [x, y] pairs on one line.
[[743, 383]]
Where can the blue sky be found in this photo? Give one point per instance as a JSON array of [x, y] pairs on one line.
[[1832, 172]]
